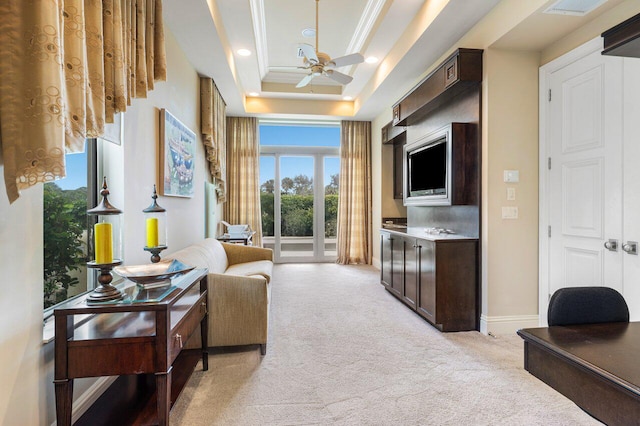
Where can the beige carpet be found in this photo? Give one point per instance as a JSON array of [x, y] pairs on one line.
[[343, 351]]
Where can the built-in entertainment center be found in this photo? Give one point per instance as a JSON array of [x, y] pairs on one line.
[[433, 265]]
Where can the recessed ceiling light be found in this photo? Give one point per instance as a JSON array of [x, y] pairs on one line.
[[243, 52], [347, 98], [309, 32], [371, 60], [254, 94]]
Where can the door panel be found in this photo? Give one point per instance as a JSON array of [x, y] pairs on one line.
[[582, 204], [410, 294], [585, 180]]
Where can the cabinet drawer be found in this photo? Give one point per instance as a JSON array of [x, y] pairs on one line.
[[188, 324]]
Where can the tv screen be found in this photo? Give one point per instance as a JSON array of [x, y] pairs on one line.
[[428, 170]]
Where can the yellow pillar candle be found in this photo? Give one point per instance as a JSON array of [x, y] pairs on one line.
[[104, 242], [152, 232]]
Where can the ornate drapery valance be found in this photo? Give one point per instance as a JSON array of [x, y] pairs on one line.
[[66, 67], [213, 113]]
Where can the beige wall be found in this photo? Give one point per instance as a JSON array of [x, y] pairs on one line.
[[509, 248], [26, 364]]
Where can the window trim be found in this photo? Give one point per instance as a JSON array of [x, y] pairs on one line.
[[91, 147]]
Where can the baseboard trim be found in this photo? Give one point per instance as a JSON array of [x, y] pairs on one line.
[[507, 324], [91, 395], [376, 263]]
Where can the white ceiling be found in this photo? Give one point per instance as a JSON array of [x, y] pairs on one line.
[[407, 36], [211, 31]]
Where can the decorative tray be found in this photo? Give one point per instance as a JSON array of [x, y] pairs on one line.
[[154, 273]]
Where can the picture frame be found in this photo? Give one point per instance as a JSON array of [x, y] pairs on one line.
[[176, 157]]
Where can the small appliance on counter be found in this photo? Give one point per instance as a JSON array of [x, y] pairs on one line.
[[394, 222], [236, 231]]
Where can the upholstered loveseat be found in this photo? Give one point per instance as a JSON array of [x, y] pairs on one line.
[[239, 290]]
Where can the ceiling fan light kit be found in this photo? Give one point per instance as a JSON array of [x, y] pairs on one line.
[[320, 63]]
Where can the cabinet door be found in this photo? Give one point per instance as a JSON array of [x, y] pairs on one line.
[[397, 259], [386, 264], [426, 279], [410, 294], [398, 161]]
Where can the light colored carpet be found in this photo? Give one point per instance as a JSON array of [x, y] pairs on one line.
[[343, 351]]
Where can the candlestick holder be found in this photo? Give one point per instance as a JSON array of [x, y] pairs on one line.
[[156, 222], [107, 248], [105, 292], [155, 252]]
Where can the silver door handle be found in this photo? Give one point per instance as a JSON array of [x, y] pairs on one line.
[[631, 247], [611, 245]]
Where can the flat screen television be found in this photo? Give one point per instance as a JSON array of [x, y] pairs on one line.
[[428, 169]]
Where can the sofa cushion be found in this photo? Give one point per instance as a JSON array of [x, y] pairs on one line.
[[205, 254], [259, 267]]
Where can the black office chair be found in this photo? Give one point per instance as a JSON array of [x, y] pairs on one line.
[[586, 305]]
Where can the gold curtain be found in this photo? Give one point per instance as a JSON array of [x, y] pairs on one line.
[[66, 67], [213, 113], [354, 200], [243, 162]]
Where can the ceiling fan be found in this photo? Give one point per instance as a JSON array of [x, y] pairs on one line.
[[319, 63]]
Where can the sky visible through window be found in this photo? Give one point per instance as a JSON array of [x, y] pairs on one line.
[[271, 135], [76, 171]]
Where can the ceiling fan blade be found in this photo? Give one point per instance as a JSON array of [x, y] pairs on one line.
[[342, 61], [305, 81], [338, 76], [309, 52]]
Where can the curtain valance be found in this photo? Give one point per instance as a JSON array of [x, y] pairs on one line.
[[66, 67], [212, 117]]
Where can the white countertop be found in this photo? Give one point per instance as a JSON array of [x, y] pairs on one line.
[[426, 233]]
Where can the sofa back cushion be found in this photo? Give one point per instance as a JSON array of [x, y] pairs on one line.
[[208, 253]]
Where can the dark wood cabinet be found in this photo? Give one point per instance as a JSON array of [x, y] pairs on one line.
[[456, 74], [397, 266], [411, 277], [448, 284], [623, 39], [438, 278], [398, 160], [386, 261]]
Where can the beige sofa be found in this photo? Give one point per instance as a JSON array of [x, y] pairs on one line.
[[239, 291]]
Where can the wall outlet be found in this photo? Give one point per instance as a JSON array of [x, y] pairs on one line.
[[511, 194], [509, 212]]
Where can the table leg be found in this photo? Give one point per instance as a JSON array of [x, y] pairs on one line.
[[204, 333], [163, 390], [64, 401]]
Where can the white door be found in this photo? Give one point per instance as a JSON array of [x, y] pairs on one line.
[[584, 143], [631, 166]]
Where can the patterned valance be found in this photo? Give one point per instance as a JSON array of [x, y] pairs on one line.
[[66, 67], [213, 113]]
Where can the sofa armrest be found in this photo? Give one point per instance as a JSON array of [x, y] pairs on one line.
[[237, 253]]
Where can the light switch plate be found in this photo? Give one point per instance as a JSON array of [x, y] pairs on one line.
[[512, 176], [511, 194], [509, 212]]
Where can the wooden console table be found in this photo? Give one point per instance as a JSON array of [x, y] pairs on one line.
[[594, 365], [139, 336]]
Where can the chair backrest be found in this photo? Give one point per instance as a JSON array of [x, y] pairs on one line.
[[587, 305]]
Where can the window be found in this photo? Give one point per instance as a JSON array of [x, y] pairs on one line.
[[66, 228], [299, 175]]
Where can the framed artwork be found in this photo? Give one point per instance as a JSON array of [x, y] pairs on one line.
[[177, 157]]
